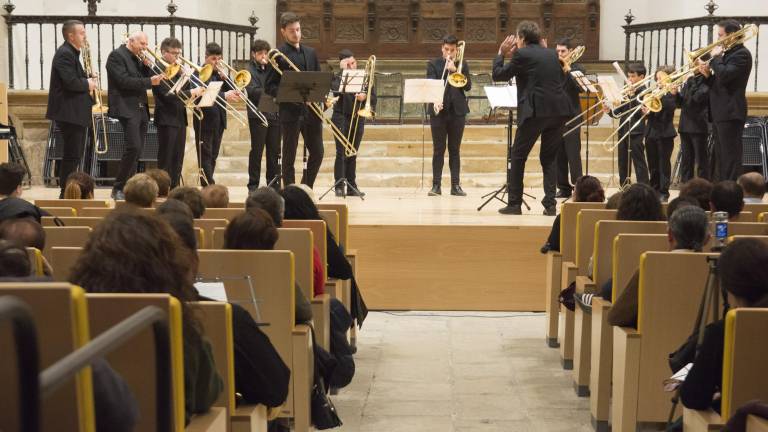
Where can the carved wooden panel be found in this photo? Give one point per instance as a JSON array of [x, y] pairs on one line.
[[413, 29]]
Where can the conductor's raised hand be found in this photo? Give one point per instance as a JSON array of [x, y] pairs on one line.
[[509, 45]]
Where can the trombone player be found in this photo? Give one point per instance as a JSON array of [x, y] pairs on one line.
[[346, 117], [69, 100], [569, 154], [727, 74], [129, 77], [447, 118], [171, 114]]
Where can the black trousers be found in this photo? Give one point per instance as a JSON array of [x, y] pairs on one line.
[[638, 159], [659, 152], [311, 130], [208, 146], [73, 137], [261, 137], [693, 147], [450, 127], [346, 167], [551, 131], [135, 130], [569, 156], [728, 148], [170, 153]]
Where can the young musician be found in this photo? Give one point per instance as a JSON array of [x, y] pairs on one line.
[[209, 130], [727, 75], [635, 146], [569, 154], [171, 115], [69, 100], [297, 118], [344, 113], [447, 118], [129, 77], [693, 101], [543, 108], [660, 139], [262, 136]]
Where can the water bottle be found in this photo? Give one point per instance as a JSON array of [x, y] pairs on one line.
[[720, 228]]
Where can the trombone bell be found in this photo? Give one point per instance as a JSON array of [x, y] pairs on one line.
[[242, 78], [457, 80]]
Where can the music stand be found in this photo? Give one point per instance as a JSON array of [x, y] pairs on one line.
[[423, 91], [503, 97], [352, 81], [303, 87], [588, 88]]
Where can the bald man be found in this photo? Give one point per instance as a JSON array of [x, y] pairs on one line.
[[129, 78]]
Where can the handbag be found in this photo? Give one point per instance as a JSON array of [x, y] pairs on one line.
[[324, 414]]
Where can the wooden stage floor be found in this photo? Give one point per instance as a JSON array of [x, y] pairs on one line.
[[436, 253]]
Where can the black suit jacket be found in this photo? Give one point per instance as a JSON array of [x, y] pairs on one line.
[[540, 82], [68, 97], [346, 101], [623, 113], [454, 99], [305, 59], [660, 124], [573, 89], [214, 116], [128, 81], [693, 101], [169, 109], [728, 84], [255, 88]]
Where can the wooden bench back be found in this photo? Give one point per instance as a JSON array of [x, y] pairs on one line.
[[743, 358], [318, 235], [63, 259], [744, 216], [208, 225], [343, 211], [747, 228], [585, 235], [331, 218], [756, 208], [134, 360], [92, 222], [568, 214], [77, 204], [216, 318], [60, 313], [222, 213], [36, 267], [95, 212], [60, 211], [605, 232], [670, 289], [69, 236], [627, 249], [762, 238]]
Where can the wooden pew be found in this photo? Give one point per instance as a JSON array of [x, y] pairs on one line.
[[763, 238], [331, 218], [583, 243], [208, 225], [216, 318], [272, 275], [671, 284], [131, 359], [77, 204], [602, 264], [36, 262], [60, 211], [627, 249], [92, 222], [745, 216], [68, 236], [555, 261], [237, 205], [95, 211], [222, 213], [61, 318], [756, 209], [744, 357], [757, 424], [762, 217], [63, 259], [747, 228]]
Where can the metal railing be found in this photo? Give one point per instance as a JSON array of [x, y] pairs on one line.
[[666, 42], [106, 33]]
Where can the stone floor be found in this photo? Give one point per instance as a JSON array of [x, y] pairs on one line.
[[456, 372]]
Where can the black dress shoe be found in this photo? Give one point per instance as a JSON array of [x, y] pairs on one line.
[[354, 191], [563, 194], [511, 210], [457, 191], [550, 211], [435, 191], [340, 191]]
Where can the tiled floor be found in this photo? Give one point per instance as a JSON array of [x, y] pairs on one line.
[[446, 372]]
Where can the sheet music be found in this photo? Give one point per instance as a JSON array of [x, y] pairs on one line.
[[620, 71], [421, 90], [501, 97], [352, 81], [611, 90], [584, 82], [211, 92], [212, 290]]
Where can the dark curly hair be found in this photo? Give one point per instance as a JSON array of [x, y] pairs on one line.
[[639, 203], [699, 189], [190, 196], [588, 189], [727, 196], [298, 205], [744, 269], [252, 229]]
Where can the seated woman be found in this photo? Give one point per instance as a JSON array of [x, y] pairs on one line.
[[79, 185], [743, 267], [587, 189], [137, 252]]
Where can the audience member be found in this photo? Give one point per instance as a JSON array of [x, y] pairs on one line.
[[136, 252], [269, 200], [613, 201], [743, 267], [699, 189], [639, 203], [727, 196], [679, 202], [753, 185], [215, 196], [11, 204], [24, 232], [140, 190], [80, 185], [174, 206], [14, 261], [162, 179], [191, 197], [586, 189]]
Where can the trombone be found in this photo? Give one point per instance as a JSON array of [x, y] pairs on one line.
[[238, 83], [98, 108], [742, 35], [456, 79], [169, 71], [204, 74], [367, 111], [349, 150]]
